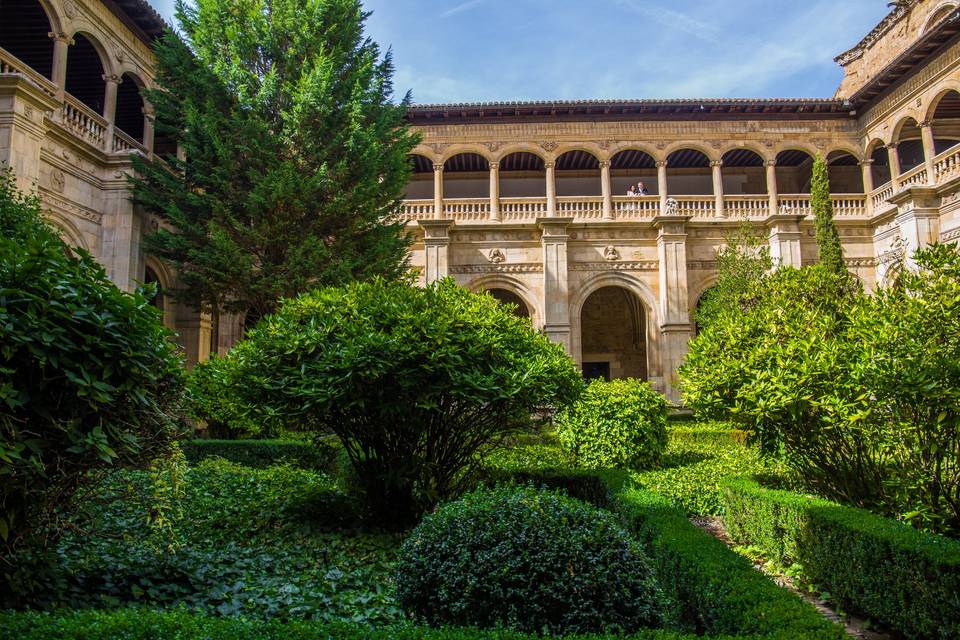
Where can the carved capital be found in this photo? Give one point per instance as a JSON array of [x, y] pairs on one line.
[[604, 164], [494, 166], [866, 162], [438, 167], [60, 37], [716, 163], [661, 164], [893, 145], [925, 124], [549, 164], [770, 163], [112, 77]]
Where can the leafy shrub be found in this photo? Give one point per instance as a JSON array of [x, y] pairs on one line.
[[144, 624], [258, 454], [718, 592], [208, 403], [395, 370], [908, 580], [619, 424], [526, 559], [88, 376]]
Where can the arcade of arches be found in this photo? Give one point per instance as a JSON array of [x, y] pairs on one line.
[[597, 220]]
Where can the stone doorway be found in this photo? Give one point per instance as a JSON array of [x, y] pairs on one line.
[[613, 329]]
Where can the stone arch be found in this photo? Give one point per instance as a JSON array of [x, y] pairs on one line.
[[131, 110], [23, 24], [87, 65], [620, 147], [522, 174], [673, 147], [466, 175], [630, 165], [744, 171], [794, 169], [909, 142], [689, 171], [577, 172], [844, 172], [420, 185], [157, 272], [585, 147], [513, 285], [522, 147], [462, 149], [757, 149], [69, 232], [943, 115], [644, 295], [937, 14], [880, 165]]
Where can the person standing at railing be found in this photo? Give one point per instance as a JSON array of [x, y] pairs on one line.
[[641, 190]]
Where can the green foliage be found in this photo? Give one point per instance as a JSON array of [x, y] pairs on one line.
[[396, 371], [907, 580], [717, 591], [206, 402], [526, 559], [295, 155], [88, 377], [143, 624], [619, 424], [828, 240], [318, 454], [698, 459]]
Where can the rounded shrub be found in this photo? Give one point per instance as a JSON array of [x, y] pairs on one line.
[[619, 424], [527, 559]]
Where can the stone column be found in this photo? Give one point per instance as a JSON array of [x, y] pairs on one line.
[[495, 192], [551, 190], [772, 192], [556, 302], [675, 327], [606, 190], [784, 240], [662, 188], [717, 168], [866, 168], [438, 191], [61, 42], [894, 164], [918, 219], [22, 109], [929, 148], [148, 132], [436, 248], [111, 82]]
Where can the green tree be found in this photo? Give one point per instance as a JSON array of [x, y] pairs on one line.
[[294, 159], [828, 240]]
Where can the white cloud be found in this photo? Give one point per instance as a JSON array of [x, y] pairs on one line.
[[463, 6]]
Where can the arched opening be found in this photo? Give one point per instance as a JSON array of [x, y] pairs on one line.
[[631, 168], [880, 167], [938, 16], [946, 122], [518, 306], [24, 29], [151, 277], [578, 174], [909, 146], [744, 173], [613, 329], [130, 112], [420, 186], [689, 173], [522, 175], [85, 74], [466, 175], [844, 171], [794, 171]]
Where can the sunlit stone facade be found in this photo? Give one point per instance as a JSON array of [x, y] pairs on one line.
[[529, 200]]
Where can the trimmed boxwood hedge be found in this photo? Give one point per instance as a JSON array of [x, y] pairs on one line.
[[720, 592], [264, 453], [143, 624], [901, 577]]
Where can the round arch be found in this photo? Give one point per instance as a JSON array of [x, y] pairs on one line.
[[131, 109], [844, 172], [420, 184], [577, 172], [744, 171], [909, 141], [24, 24], [794, 170], [513, 285], [522, 147], [466, 175], [158, 272], [937, 14], [689, 171], [631, 166], [879, 162], [944, 119], [69, 232], [522, 175], [464, 149], [87, 66], [672, 148]]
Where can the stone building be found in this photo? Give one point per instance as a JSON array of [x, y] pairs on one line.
[[527, 200]]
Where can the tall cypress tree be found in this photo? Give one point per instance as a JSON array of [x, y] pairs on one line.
[[295, 156], [828, 240]]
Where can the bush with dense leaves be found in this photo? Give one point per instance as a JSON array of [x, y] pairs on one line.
[[88, 376], [905, 579], [619, 424], [527, 559], [416, 382], [320, 453]]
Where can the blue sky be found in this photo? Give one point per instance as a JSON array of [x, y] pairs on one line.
[[484, 50]]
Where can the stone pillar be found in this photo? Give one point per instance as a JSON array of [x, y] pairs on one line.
[[894, 164], [662, 188], [148, 132], [551, 190], [675, 327], [438, 191], [556, 302], [61, 42], [121, 233], [785, 240], [111, 82], [918, 219], [717, 168], [495, 192], [866, 169], [929, 148], [436, 248], [606, 190], [22, 109], [204, 337], [772, 192]]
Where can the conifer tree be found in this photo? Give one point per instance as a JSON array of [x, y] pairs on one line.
[[294, 154], [828, 240]]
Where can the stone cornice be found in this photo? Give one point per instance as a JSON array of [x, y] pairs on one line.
[[902, 8], [519, 267], [632, 265]]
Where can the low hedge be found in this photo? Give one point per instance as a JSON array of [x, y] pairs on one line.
[[892, 573], [264, 453], [718, 434], [718, 591], [144, 624]]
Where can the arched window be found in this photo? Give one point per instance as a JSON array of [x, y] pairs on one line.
[[466, 175], [129, 114], [578, 174], [518, 306], [744, 173], [631, 166], [24, 29], [151, 277], [689, 173], [85, 73], [613, 331], [909, 145], [794, 171], [522, 175], [845, 173], [880, 167], [420, 186], [946, 122]]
